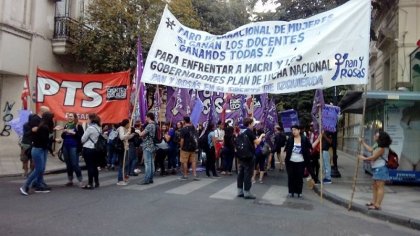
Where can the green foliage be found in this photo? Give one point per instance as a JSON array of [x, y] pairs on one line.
[[106, 39]]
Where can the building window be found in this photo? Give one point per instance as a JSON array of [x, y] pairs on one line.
[[372, 81], [62, 19]]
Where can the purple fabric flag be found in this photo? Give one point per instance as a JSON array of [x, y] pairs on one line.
[[157, 102], [260, 102], [270, 121], [317, 104], [196, 111], [17, 123], [330, 117], [178, 104], [234, 109], [142, 103], [289, 118]]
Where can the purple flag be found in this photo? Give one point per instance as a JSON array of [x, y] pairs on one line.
[[196, 111], [270, 121], [142, 103], [289, 118], [17, 123], [260, 102], [330, 117], [178, 104], [317, 104], [156, 104]]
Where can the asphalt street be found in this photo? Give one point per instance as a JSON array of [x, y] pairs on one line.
[[174, 207]]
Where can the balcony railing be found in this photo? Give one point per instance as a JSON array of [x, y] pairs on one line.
[[63, 27]]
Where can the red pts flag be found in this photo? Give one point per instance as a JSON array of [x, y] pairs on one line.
[[25, 93], [107, 95]]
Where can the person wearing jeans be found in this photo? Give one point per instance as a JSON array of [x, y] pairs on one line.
[[326, 144], [246, 167], [71, 136], [39, 154], [149, 148]]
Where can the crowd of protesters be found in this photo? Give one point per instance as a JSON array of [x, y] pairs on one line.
[[166, 149]]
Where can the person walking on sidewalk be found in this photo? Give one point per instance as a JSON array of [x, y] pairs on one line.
[[297, 153], [379, 169], [72, 135], [149, 148], [189, 146], [39, 153], [89, 138]]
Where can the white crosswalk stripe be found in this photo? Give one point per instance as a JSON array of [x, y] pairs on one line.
[[157, 182], [227, 193], [190, 187], [223, 189], [275, 195]]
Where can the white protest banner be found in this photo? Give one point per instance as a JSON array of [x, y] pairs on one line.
[[325, 50]]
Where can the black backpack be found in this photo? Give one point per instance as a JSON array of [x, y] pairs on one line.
[[244, 150], [101, 144], [203, 143], [190, 139], [156, 138]]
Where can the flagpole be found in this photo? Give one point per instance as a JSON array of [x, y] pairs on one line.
[[320, 152], [136, 100], [359, 148], [252, 106]]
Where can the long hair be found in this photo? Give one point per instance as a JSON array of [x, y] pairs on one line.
[[95, 119], [384, 140]]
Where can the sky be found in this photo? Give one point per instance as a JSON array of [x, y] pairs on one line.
[[269, 6]]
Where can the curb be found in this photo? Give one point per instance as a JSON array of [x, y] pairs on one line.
[[47, 172], [396, 219]]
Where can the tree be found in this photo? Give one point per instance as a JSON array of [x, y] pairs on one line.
[[106, 39]]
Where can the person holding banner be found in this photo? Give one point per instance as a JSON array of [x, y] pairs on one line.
[[124, 134], [72, 135], [149, 148], [379, 169], [89, 138], [326, 144], [297, 154], [39, 153]]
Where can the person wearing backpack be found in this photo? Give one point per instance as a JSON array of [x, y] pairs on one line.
[[379, 169], [89, 138], [211, 151], [189, 146], [72, 135], [124, 134], [149, 148], [112, 154], [262, 151], [245, 151]]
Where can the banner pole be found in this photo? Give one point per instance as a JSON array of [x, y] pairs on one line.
[[320, 153], [136, 100], [359, 149]]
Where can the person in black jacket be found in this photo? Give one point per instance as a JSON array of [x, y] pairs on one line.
[[39, 153], [297, 154]]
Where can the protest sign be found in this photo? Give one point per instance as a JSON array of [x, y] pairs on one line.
[[327, 49], [289, 118], [330, 117], [104, 94]]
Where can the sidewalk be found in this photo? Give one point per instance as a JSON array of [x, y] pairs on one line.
[[10, 164], [401, 204]]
